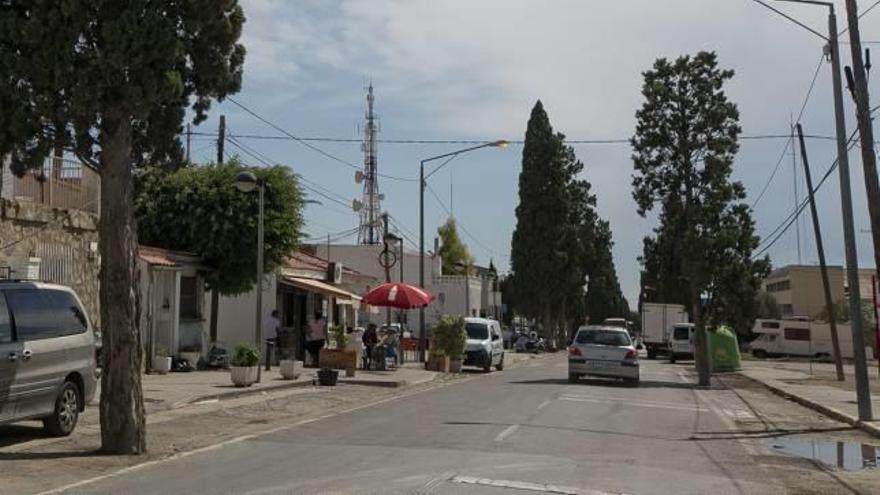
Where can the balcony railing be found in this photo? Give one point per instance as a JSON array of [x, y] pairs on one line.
[[59, 183]]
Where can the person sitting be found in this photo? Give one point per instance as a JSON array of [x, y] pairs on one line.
[[390, 342], [370, 339]]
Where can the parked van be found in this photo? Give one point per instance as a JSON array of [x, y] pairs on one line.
[[800, 338], [681, 342], [47, 355], [485, 346]]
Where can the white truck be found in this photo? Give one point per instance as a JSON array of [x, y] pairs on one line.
[[800, 338], [657, 322]]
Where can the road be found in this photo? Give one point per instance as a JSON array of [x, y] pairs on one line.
[[524, 430]]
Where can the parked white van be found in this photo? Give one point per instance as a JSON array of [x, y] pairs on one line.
[[681, 342], [799, 338]]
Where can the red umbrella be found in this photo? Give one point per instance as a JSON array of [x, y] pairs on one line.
[[398, 295]]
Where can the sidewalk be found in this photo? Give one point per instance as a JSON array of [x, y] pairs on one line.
[[174, 390], [816, 391]]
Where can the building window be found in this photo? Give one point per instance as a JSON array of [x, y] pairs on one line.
[[797, 334], [779, 286], [190, 309], [769, 324]]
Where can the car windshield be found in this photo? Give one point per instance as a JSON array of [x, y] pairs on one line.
[[603, 337], [477, 331], [681, 333]]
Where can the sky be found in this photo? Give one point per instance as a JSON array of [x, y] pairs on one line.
[[472, 70]]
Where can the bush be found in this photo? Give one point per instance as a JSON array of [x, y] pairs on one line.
[[246, 355], [340, 338], [449, 337]]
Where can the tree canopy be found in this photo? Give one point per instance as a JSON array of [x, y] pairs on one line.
[[109, 80], [198, 209], [453, 251], [683, 152]]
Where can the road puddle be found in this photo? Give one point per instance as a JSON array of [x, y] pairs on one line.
[[849, 456]]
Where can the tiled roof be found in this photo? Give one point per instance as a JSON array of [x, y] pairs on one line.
[[161, 257], [304, 261]]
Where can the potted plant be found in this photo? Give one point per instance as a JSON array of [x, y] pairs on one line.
[[245, 365], [449, 342], [339, 357], [290, 369], [327, 377], [162, 361], [192, 353]]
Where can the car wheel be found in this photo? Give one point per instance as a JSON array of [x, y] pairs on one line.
[[63, 419], [500, 366], [759, 353], [672, 358], [633, 382], [652, 354], [573, 378]]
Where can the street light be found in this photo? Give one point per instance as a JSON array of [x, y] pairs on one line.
[[422, 184], [863, 391], [246, 182], [467, 285]]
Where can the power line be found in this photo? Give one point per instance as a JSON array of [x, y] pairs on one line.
[[863, 14], [792, 19], [463, 229], [311, 146]]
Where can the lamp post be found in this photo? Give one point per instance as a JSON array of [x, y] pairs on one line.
[[388, 262], [863, 391], [467, 285], [246, 182], [422, 185]]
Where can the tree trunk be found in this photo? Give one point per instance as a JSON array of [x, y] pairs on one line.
[[215, 309], [701, 343], [123, 428]]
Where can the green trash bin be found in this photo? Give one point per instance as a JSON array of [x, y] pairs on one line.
[[724, 349]]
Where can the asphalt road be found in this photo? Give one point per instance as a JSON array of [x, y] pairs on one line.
[[524, 430]]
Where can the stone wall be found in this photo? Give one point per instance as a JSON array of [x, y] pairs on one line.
[[65, 241]]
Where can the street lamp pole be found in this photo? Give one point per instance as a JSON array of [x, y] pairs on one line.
[[247, 182], [422, 186], [863, 392]]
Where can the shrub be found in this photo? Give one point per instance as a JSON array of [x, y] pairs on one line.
[[337, 332], [246, 355], [449, 337]]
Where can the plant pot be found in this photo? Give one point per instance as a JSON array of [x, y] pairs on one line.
[[290, 369], [243, 376], [162, 365], [192, 357], [337, 359], [437, 363], [327, 377], [455, 365]]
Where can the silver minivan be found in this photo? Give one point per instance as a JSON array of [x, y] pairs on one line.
[[485, 345], [47, 355]]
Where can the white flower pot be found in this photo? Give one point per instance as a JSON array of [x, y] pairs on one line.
[[243, 376], [290, 369], [192, 357], [162, 365]]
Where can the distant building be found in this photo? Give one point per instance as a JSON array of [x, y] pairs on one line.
[[798, 288]]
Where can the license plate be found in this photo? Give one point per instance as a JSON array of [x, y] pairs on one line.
[[600, 364]]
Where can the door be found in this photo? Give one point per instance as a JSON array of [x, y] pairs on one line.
[[9, 352], [42, 361]]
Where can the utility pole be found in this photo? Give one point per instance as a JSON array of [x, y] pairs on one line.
[[188, 138], [872, 188], [829, 304], [221, 139], [387, 266], [797, 222]]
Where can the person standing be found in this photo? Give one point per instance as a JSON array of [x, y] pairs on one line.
[[270, 333], [371, 338], [316, 337]]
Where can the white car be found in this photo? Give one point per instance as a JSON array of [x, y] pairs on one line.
[[484, 347], [604, 352]]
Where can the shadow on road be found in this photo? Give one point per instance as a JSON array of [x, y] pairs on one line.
[[34, 456], [21, 433]]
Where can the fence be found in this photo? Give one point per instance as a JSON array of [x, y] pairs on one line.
[[59, 183]]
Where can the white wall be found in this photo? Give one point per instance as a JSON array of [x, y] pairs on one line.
[[236, 318]]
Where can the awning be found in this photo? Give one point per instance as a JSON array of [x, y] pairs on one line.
[[313, 285]]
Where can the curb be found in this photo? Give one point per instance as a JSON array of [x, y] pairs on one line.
[[243, 392], [831, 412]]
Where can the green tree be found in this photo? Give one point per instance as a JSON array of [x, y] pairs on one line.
[[604, 299], [453, 252], [684, 145], [110, 80], [538, 254], [197, 209], [767, 306]]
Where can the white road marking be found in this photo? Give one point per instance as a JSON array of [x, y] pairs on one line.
[[525, 485], [637, 404], [544, 404], [506, 433], [635, 400]]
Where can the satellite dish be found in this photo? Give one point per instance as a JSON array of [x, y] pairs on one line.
[[356, 205], [358, 177], [381, 197]]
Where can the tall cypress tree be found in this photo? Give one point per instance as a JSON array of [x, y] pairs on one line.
[[541, 217]]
